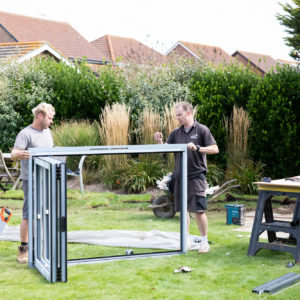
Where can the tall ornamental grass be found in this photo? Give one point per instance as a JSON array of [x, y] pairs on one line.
[[239, 165], [170, 123], [74, 134], [114, 130], [149, 123], [237, 128], [114, 125]]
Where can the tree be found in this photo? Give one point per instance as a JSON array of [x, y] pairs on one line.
[[292, 22]]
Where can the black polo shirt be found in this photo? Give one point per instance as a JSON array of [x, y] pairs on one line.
[[199, 135]]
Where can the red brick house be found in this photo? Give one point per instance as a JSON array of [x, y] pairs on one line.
[[122, 50], [63, 37], [259, 63], [208, 54], [291, 63]]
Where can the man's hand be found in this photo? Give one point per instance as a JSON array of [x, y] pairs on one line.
[[17, 154], [191, 146], [158, 137]]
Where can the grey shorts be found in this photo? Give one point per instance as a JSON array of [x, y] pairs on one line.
[[197, 201], [25, 203]]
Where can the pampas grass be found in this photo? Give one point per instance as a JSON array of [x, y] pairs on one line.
[[148, 125], [237, 135], [115, 123], [114, 130], [239, 165]]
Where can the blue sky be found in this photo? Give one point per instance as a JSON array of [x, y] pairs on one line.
[[247, 25]]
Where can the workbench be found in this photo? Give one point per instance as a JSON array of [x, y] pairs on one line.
[[267, 190]]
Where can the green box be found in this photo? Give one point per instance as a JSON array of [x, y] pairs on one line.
[[235, 214]]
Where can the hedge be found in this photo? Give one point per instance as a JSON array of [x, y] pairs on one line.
[[272, 101], [215, 91], [274, 108]]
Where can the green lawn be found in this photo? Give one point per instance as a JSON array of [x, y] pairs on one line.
[[224, 273]]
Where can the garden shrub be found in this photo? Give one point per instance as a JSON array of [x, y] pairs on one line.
[[215, 175], [215, 91], [9, 126], [78, 93], [75, 92], [75, 134], [23, 86], [246, 172], [155, 88], [138, 175], [274, 108]]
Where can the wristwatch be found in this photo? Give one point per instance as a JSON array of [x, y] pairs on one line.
[[198, 148]]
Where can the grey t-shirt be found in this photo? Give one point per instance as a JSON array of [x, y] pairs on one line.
[[30, 137], [198, 134]]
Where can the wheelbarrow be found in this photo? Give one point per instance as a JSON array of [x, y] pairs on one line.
[[164, 205]]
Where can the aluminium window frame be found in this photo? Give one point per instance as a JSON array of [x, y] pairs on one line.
[[111, 150]]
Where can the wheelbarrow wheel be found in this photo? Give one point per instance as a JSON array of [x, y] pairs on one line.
[[167, 211]]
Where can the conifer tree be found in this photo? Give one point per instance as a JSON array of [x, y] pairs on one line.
[[291, 20]]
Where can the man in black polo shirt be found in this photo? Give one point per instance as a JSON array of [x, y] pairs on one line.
[[199, 142]]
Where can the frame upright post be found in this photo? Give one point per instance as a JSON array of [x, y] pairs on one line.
[[183, 213], [30, 214]]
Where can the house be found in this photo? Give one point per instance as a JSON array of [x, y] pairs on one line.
[[24, 51], [259, 63], [122, 50], [291, 63], [63, 37], [208, 54]]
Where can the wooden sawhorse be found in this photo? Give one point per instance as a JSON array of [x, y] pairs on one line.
[[267, 190]]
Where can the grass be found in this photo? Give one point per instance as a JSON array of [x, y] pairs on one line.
[[170, 123], [114, 130], [149, 123], [237, 130], [224, 273], [12, 194], [78, 133], [134, 198]]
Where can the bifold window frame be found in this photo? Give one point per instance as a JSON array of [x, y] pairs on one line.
[[47, 196]]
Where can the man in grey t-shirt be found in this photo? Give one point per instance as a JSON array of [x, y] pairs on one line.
[[199, 142], [35, 135]]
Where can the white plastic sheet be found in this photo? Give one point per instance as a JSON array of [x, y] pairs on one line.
[[153, 239]]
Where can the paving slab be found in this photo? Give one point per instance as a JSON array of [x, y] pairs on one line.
[[249, 224]]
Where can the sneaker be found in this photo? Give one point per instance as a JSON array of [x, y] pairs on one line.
[[22, 254], [69, 171], [203, 247], [77, 172], [197, 239]]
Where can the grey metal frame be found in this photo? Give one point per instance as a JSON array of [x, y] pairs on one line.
[[48, 214], [41, 157]]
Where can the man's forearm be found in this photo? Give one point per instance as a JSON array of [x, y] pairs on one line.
[[17, 154], [212, 149]]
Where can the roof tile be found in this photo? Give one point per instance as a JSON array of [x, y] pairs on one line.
[[262, 61], [210, 54], [127, 50], [59, 34]]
